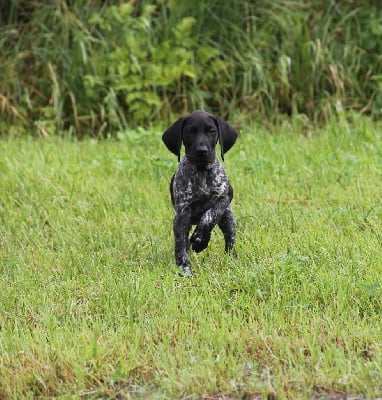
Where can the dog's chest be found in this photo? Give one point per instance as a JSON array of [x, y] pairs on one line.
[[198, 189], [207, 184]]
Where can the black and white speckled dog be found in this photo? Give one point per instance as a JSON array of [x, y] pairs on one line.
[[200, 191]]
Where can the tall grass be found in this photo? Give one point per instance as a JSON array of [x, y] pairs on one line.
[[91, 303], [95, 68]]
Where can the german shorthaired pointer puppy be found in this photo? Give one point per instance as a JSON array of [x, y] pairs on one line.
[[200, 191]]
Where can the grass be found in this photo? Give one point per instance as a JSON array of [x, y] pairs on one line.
[[91, 303]]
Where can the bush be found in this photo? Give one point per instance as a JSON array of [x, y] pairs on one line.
[[98, 67]]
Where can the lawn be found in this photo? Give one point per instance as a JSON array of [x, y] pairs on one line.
[[91, 302]]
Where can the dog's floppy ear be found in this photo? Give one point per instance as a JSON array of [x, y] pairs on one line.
[[227, 135], [173, 136]]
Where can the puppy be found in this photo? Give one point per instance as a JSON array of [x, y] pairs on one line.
[[200, 191]]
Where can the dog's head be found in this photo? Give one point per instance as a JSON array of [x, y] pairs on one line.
[[199, 132]]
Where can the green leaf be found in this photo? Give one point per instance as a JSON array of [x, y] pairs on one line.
[[218, 65], [205, 53]]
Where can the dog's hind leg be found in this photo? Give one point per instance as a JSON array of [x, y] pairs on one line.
[[182, 226], [227, 224]]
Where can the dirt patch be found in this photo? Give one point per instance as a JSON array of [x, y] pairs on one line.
[[318, 394]]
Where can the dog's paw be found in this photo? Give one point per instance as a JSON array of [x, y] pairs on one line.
[[230, 249], [185, 271], [233, 253], [199, 240]]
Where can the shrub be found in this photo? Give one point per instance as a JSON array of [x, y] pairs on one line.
[[95, 68]]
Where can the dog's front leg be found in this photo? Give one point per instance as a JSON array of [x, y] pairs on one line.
[[182, 226], [202, 234]]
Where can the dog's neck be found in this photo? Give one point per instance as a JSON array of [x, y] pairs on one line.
[[206, 167]]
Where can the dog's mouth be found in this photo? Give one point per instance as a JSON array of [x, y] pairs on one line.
[[202, 162]]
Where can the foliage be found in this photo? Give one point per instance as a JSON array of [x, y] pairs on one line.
[[91, 303], [97, 67], [142, 72]]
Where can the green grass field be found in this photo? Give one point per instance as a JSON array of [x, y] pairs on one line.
[[91, 303]]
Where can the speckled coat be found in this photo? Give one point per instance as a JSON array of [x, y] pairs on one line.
[[201, 198], [200, 191]]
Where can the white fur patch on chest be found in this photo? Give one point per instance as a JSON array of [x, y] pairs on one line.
[[210, 183], [192, 185]]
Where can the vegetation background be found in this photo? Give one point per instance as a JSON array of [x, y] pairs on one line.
[[93, 67], [91, 304]]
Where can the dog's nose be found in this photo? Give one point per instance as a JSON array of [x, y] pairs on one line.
[[202, 151]]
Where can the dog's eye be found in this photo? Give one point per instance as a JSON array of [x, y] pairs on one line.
[[211, 131]]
